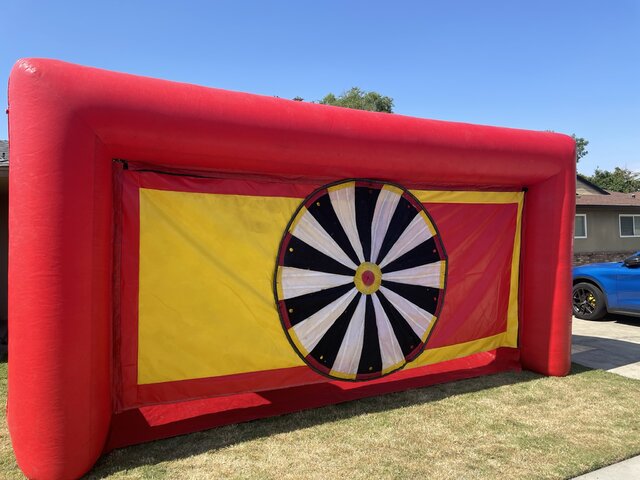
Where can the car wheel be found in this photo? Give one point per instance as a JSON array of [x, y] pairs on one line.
[[588, 302]]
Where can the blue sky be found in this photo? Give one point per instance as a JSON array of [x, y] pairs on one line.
[[569, 66]]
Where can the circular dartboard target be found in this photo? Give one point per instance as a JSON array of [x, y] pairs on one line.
[[360, 279]]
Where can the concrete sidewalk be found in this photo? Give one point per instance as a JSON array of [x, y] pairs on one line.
[[628, 469], [612, 344]]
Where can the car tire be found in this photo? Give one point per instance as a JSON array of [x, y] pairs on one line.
[[588, 302]]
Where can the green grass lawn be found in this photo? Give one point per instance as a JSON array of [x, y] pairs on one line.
[[509, 425]]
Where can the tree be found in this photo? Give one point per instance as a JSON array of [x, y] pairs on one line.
[[360, 100], [620, 180], [581, 146]]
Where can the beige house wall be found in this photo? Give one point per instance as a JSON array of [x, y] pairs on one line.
[[603, 230], [583, 188]]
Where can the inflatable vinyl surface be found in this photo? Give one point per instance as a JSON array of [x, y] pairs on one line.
[[184, 257]]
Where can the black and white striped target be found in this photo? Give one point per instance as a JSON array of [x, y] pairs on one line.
[[360, 279]]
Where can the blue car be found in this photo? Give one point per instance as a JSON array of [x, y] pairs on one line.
[[612, 287]]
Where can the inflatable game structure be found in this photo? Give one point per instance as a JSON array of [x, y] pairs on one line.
[[185, 257]]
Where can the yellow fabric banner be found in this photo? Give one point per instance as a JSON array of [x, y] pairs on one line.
[[206, 305]]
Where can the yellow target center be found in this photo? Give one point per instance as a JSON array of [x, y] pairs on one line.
[[368, 278]]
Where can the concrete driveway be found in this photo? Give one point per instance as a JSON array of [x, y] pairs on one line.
[[611, 344]]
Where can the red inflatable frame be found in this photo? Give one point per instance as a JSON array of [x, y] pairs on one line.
[[67, 124]]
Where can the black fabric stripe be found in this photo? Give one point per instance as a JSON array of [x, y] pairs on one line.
[[299, 254], [407, 339], [424, 297], [328, 347], [302, 307], [425, 253], [370, 359], [366, 199], [323, 212], [401, 219]]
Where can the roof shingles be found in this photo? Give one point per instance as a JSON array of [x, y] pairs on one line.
[[613, 199]]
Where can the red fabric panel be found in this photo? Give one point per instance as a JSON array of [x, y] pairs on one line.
[[162, 421], [210, 387], [221, 184], [479, 242]]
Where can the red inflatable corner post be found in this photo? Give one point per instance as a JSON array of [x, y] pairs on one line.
[[183, 257]]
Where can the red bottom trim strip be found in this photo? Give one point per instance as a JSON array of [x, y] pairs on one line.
[[162, 421]]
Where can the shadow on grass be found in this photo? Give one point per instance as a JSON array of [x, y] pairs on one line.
[[153, 453]]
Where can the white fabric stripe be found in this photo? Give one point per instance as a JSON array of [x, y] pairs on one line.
[[382, 215], [415, 233], [350, 351], [297, 281], [344, 204], [416, 317], [311, 232], [424, 275], [311, 330], [390, 350]]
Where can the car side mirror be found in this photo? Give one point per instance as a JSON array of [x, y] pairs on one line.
[[632, 261]]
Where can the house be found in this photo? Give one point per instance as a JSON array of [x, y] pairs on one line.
[[607, 224]]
